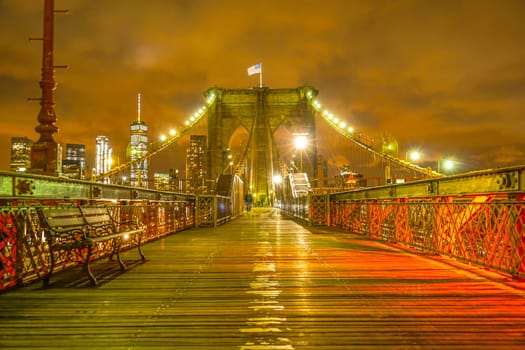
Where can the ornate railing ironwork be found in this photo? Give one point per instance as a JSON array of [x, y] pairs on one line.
[[477, 217], [24, 254], [214, 210], [296, 207], [489, 234]]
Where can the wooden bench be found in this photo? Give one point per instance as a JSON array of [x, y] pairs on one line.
[[83, 228]]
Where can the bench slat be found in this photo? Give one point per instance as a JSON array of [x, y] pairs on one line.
[[67, 222]]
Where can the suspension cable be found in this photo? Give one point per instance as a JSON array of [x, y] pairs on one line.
[[365, 143], [188, 125]]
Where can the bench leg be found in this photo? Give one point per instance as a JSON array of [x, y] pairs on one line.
[[140, 249], [87, 266], [45, 281], [116, 250]]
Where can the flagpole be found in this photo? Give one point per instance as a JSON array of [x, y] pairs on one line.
[[260, 77]]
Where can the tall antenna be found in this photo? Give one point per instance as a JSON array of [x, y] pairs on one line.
[[138, 107]]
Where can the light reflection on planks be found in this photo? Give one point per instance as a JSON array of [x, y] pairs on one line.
[[264, 282]]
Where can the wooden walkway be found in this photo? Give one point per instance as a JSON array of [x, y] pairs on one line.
[[264, 282]]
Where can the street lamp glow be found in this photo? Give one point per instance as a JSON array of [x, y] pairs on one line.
[[277, 179], [448, 164], [301, 142], [414, 155]]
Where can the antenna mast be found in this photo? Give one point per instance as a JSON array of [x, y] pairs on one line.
[[138, 107]]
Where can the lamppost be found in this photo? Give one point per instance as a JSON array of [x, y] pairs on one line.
[[446, 165], [301, 142], [45, 153], [277, 189]]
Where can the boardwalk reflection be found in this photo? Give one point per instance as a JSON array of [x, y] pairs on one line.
[[264, 282]]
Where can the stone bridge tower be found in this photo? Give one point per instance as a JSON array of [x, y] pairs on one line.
[[261, 112]]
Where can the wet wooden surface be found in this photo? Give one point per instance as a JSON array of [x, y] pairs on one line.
[[264, 282]]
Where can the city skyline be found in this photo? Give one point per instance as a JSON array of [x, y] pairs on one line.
[[445, 77]]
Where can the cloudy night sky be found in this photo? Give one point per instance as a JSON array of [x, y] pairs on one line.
[[445, 76]]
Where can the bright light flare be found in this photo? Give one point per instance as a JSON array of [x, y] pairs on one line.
[[414, 155], [277, 179], [448, 164], [301, 142]]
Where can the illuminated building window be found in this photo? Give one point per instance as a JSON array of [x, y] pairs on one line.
[[102, 156], [20, 154]]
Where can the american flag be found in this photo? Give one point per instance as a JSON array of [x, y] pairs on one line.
[[255, 69]]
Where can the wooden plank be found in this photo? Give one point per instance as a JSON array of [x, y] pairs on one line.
[[264, 282]]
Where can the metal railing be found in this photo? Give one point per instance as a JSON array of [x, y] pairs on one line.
[[296, 207], [24, 254], [489, 234], [213, 210], [477, 217]]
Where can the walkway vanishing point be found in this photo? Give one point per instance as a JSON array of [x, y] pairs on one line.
[[265, 282]]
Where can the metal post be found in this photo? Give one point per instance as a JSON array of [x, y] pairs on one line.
[[46, 153]]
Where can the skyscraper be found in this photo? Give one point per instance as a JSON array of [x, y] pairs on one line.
[[196, 164], [137, 150], [20, 153], [161, 181], [102, 156], [74, 166]]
